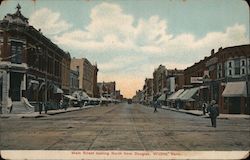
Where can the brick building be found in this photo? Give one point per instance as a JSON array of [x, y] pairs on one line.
[[224, 77], [107, 89], [148, 90], [31, 65], [159, 81], [87, 75]]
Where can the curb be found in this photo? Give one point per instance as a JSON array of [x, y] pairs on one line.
[[48, 114], [183, 112]]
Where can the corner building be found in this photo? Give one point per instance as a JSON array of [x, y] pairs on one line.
[[31, 65]]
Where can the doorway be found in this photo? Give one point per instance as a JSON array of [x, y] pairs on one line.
[[234, 105], [15, 85]]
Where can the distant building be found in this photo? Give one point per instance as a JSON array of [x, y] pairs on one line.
[[175, 80], [107, 89], [159, 81], [148, 90], [74, 81], [138, 97], [87, 75]]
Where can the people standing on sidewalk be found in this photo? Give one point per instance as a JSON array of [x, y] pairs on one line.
[[213, 111], [61, 104], [204, 108], [45, 107], [40, 107]]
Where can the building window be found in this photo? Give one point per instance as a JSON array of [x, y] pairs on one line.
[[219, 66], [237, 67], [242, 63], [16, 52], [242, 71], [230, 64], [230, 72]]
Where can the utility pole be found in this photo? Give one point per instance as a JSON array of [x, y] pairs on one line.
[[247, 67]]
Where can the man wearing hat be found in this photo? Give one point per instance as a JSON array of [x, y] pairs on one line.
[[213, 110]]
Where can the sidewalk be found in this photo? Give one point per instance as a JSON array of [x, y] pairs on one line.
[[49, 113], [200, 113]]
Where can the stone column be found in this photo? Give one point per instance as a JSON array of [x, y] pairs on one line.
[[5, 91], [23, 85]]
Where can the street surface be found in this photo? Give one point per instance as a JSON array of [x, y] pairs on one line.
[[123, 127]]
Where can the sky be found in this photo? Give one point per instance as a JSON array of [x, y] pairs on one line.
[[128, 39]]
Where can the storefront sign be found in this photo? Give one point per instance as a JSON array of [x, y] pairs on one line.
[[196, 80]]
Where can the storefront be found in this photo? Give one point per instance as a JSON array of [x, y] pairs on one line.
[[235, 97]]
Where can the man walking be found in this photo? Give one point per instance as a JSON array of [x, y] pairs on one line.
[[155, 106], [213, 110]]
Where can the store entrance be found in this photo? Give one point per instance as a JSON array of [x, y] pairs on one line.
[[234, 105], [15, 85]]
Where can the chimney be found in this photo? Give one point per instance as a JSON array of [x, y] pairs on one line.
[[212, 52], [220, 49]]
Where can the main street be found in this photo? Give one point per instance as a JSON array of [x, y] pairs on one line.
[[124, 127]]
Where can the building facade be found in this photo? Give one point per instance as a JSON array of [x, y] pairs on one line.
[[175, 80], [31, 65], [87, 75], [148, 90], [159, 81], [74, 81], [107, 89], [224, 76]]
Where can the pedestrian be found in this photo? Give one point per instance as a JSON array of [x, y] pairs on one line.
[[213, 110], [204, 108], [61, 104], [45, 107], [40, 107], [155, 106]]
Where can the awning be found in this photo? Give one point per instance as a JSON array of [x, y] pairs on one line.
[[188, 94], [175, 95], [93, 99], [81, 95], [235, 89], [57, 90], [70, 97], [162, 97], [203, 87]]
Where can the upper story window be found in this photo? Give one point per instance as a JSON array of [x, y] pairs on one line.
[[243, 63], [16, 52], [230, 64], [243, 71], [230, 72], [237, 67]]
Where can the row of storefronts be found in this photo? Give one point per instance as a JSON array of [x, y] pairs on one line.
[[223, 76]]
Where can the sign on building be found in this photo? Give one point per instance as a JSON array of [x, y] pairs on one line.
[[196, 79]]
